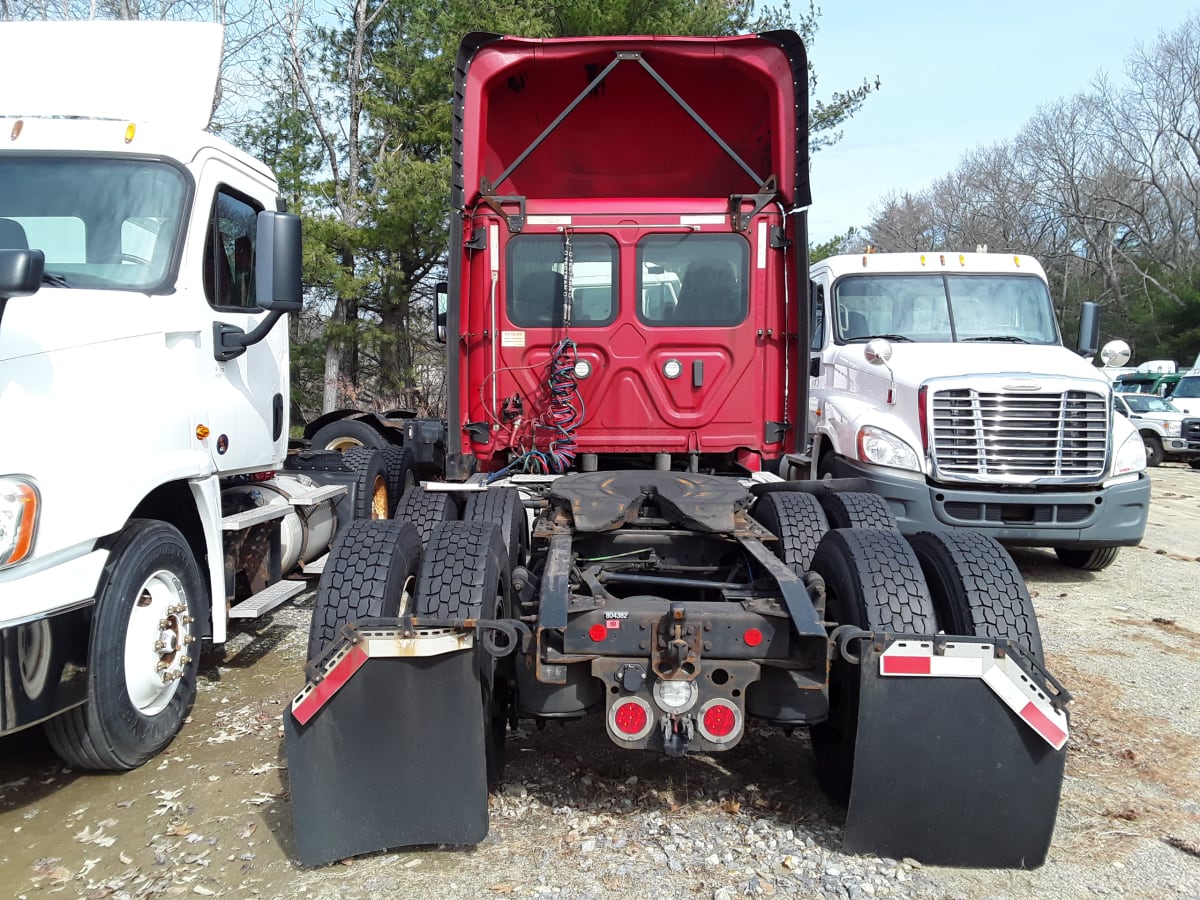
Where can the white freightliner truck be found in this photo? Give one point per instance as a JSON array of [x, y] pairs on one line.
[[942, 379], [144, 271]]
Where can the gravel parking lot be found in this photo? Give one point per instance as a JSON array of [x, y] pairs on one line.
[[578, 818]]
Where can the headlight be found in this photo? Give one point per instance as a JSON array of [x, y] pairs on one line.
[[18, 519], [882, 448], [1171, 428], [1131, 456]]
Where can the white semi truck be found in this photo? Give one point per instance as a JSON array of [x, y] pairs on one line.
[[941, 379], [144, 275]]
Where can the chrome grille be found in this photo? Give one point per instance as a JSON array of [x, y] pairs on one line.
[[1018, 435]]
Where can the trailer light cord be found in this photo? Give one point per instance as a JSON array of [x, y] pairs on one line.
[[553, 438]]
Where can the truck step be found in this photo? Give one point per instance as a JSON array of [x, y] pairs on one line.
[[255, 516], [318, 494], [316, 567], [266, 600]]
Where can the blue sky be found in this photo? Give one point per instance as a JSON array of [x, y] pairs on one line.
[[956, 75]]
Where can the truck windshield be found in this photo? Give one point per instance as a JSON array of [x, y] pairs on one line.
[[1187, 389], [944, 308], [102, 223]]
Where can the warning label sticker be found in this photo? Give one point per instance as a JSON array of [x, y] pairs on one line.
[[512, 339]]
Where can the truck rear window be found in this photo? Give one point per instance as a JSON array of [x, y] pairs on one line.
[[539, 266], [692, 279]]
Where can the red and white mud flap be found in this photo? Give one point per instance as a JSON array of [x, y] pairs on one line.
[[960, 753], [386, 749]]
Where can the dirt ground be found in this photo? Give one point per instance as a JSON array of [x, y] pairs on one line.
[[211, 816]]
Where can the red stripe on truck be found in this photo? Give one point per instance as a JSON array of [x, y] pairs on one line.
[[329, 685], [907, 665], [1037, 720]]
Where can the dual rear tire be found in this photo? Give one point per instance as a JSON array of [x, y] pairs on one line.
[[954, 582]]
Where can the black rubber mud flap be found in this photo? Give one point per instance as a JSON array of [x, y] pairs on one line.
[[394, 759], [946, 773]]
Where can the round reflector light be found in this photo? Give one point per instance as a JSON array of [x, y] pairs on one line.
[[720, 721], [630, 719], [597, 632], [753, 637]]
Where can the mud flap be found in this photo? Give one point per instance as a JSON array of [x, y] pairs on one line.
[[387, 751], [949, 770]]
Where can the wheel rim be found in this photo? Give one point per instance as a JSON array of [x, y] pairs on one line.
[[343, 444], [160, 630], [379, 498]]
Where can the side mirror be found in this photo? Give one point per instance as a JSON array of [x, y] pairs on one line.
[[277, 264], [1115, 353], [443, 303], [21, 272], [1089, 329]]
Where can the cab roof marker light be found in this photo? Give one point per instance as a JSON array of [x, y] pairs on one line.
[[942, 259], [922, 259], [962, 260], [1017, 261], [16, 129], [130, 131]]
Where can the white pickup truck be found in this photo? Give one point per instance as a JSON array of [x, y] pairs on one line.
[[942, 380]]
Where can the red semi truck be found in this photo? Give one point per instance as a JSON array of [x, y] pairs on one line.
[[627, 325]]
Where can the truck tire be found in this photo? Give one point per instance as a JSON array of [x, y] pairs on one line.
[[464, 575], [426, 509], [146, 614], [798, 521], [856, 509], [504, 507], [1154, 449], [977, 589], [346, 434], [401, 474], [371, 573], [1194, 463], [371, 493], [873, 581], [1094, 560]]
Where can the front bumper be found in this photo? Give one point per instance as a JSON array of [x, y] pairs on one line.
[[1096, 517], [42, 668]]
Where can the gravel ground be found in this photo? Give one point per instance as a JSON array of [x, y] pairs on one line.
[[578, 818]]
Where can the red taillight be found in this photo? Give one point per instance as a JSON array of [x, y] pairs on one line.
[[720, 720], [753, 637], [597, 632], [630, 718]]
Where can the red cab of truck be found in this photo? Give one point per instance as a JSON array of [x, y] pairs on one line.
[[631, 256]]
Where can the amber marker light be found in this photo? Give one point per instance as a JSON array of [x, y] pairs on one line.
[[130, 130], [16, 129], [202, 432]]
